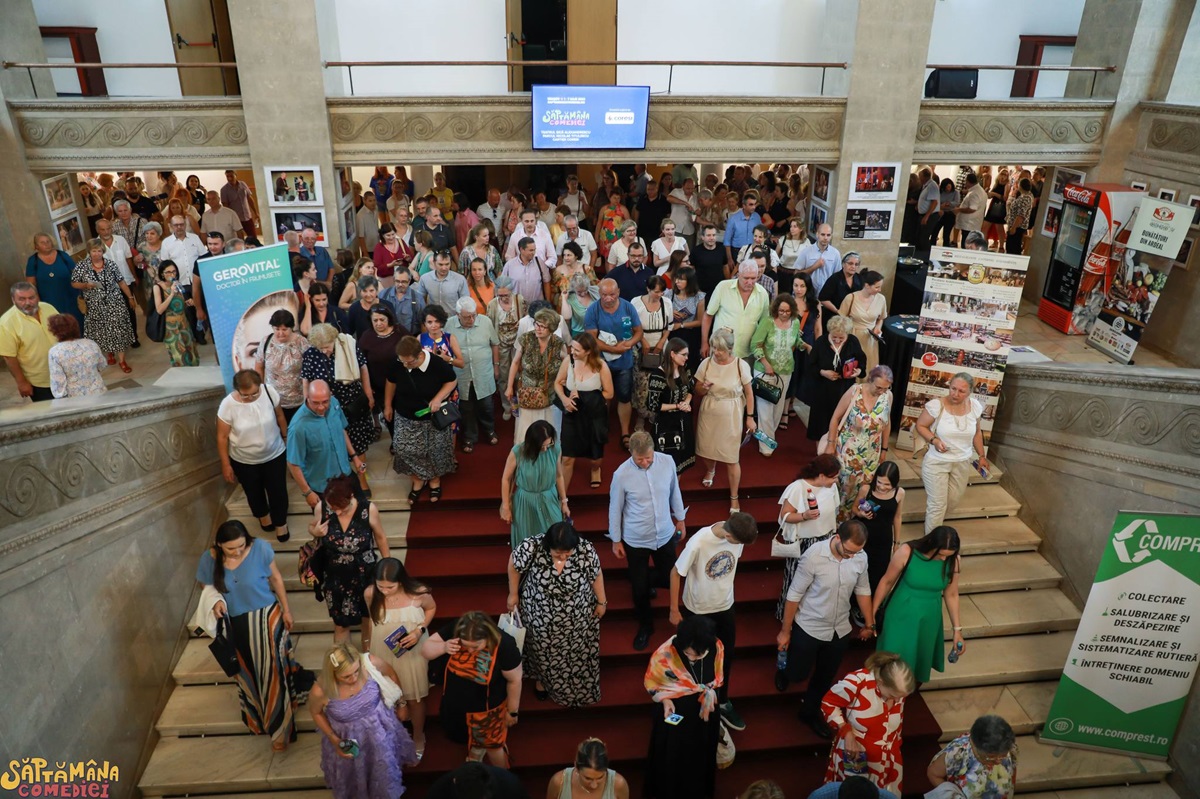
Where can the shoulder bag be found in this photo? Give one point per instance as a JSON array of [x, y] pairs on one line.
[[653, 360], [446, 415], [768, 388], [156, 323], [222, 647]]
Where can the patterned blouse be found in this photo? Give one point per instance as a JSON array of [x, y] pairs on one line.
[[282, 368], [977, 779], [75, 368]]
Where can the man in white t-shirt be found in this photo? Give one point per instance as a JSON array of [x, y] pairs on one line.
[[968, 215], [585, 240], [709, 564]]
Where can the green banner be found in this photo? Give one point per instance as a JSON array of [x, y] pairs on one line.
[[1130, 668]]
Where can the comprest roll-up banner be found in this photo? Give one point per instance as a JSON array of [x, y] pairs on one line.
[[242, 290], [1131, 666]]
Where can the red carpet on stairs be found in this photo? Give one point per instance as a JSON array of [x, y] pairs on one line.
[[459, 546]]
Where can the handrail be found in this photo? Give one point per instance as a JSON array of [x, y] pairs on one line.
[[1022, 67], [590, 63], [89, 65]]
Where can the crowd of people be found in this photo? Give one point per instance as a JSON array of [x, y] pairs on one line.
[[1001, 207], [723, 329]]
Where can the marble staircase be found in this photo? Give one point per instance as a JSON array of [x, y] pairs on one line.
[[1017, 622]]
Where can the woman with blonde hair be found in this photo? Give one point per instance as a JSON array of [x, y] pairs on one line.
[[723, 383], [591, 776], [357, 705], [363, 267], [350, 385], [867, 711], [762, 789]]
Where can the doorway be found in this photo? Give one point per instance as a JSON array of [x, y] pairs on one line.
[[201, 33]]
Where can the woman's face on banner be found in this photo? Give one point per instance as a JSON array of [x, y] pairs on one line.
[[255, 326]]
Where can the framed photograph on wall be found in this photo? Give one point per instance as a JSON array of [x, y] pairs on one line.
[[816, 217], [1167, 194], [1064, 176], [820, 185], [1139, 185], [70, 233], [873, 182], [294, 185], [348, 226], [57, 191], [1185, 252], [345, 186], [1194, 201], [283, 221]]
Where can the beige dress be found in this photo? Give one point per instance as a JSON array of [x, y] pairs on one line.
[[865, 315], [722, 410], [411, 668]]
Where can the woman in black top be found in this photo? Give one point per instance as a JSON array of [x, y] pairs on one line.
[[321, 310], [840, 285], [836, 361], [417, 385]]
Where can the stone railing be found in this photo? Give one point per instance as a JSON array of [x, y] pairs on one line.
[[1168, 143], [1008, 131], [105, 506]]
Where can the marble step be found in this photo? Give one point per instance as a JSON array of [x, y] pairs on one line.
[[1152, 790], [1056, 768], [984, 536], [910, 470], [1023, 705], [979, 501], [395, 527], [1003, 660]]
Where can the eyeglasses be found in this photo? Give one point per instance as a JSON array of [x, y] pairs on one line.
[[440, 253]]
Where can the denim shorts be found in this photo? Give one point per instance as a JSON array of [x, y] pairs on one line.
[[623, 384]]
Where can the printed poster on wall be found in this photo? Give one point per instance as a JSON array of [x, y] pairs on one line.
[[242, 291], [968, 314], [1130, 668], [1138, 276]]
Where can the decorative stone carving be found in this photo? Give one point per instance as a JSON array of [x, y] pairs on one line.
[[106, 133], [487, 129], [1168, 140], [1031, 131]]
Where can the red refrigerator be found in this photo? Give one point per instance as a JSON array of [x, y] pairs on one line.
[[1086, 252]]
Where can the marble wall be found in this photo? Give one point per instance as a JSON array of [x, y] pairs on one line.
[[106, 507], [1080, 443]]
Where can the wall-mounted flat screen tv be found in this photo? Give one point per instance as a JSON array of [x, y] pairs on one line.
[[590, 117]]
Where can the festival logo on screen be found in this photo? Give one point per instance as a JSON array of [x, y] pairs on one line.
[[36, 776]]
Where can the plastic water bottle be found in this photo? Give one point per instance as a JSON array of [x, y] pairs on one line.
[[765, 439], [955, 651], [781, 660], [626, 328]]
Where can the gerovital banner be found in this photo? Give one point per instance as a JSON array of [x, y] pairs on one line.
[[1130, 669]]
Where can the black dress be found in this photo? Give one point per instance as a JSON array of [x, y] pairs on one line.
[[821, 394], [880, 538], [350, 557], [672, 423], [835, 290], [585, 430], [682, 763]]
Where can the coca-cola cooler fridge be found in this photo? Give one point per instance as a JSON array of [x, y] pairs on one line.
[[1086, 252]]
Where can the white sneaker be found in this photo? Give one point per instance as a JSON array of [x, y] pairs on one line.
[[507, 415]]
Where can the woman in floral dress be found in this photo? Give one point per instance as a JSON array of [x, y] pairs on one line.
[[348, 530], [556, 580], [859, 433], [866, 710], [169, 302], [609, 222], [106, 320]]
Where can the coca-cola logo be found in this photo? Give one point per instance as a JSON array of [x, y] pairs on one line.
[[1164, 214], [1078, 194]]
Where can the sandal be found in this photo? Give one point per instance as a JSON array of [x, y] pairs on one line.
[[708, 479], [596, 480], [468, 448], [493, 441], [126, 368], [734, 505], [541, 693], [783, 423], [435, 494], [279, 746], [112, 359], [415, 494], [625, 442]]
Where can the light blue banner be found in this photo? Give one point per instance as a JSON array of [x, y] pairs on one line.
[[242, 290], [590, 117]]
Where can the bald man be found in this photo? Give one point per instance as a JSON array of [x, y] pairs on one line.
[[313, 453]]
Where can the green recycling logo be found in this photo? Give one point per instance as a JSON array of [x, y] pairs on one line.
[[1061, 726]]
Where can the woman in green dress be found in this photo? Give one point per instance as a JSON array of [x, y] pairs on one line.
[[168, 301], [922, 572], [533, 494]]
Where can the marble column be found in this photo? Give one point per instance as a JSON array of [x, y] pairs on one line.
[[1143, 39], [1185, 85], [23, 209], [883, 103], [283, 97]]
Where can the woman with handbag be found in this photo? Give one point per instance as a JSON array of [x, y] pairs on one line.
[[997, 210], [669, 400], [655, 314], [533, 493], [859, 433], [723, 383], [444, 346], [254, 613], [170, 304], [336, 359], [773, 344], [417, 386], [537, 357], [401, 611], [556, 581], [683, 677], [866, 309], [921, 574], [866, 709], [584, 387], [808, 515], [836, 361], [251, 431], [357, 706], [505, 311], [481, 692]]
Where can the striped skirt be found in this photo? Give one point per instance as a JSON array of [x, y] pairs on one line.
[[270, 681]]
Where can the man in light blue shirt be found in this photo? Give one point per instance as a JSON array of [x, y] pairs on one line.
[[480, 347], [440, 286], [643, 500], [318, 447], [318, 255], [929, 206], [852, 788], [819, 259], [739, 230]]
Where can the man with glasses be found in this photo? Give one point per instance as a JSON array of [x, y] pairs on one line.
[[318, 255], [739, 231], [403, 302], [478, 375], [819, 259], [184, 248], [585, 240], [632, 275], [816, 618], [441, 286], [531, 228]]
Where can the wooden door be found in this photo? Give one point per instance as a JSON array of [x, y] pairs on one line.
[[512, 18], [592, 36], [194, 33]]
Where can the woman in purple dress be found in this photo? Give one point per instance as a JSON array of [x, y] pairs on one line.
[[358, 706]]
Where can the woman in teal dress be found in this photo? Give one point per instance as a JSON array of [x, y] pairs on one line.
[[170, 303], [533, 494], [923, 572], [49, 269]]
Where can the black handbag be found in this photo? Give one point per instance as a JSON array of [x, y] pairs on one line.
[[359, 407], [222, 647], [446, 415], [156, 324], [766, 389], [668, 439]]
